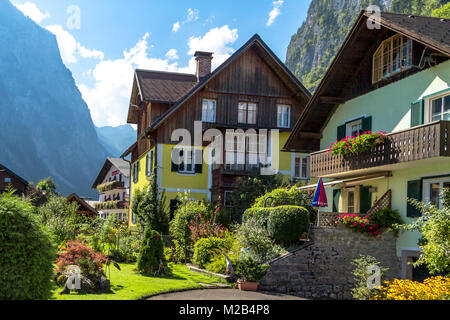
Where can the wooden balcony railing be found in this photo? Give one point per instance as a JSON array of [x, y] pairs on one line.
[[423, 142]]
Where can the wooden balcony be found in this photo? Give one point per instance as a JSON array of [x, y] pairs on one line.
[[423, 142]]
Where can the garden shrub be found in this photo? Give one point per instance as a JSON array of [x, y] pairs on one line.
[[250, 270], [80, 254], [26, 251], [252, 234], [362, 272], [204, 227], [175, 253], [386, 218], [151, 259], [434, 288], [287, 224], [128, 249], [282, 196], [205, 249], [259, 213], [232, 249], [187, 211]]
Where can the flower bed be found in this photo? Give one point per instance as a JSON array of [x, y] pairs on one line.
[[357, 144], [360, 224], [435, 288]]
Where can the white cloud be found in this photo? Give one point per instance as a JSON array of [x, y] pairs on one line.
[[193, 15], [69, 48], [276, 11], [32, 11], [176, 26], [172, 54], [109, 99]]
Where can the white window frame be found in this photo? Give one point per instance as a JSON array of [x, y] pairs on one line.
[[209, 110], [301, 158], [427, 184], [349, 126], [281, 118], [244, 112], [429, 106], [185, 157]]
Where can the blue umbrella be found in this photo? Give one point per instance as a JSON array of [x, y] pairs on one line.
[[320, 197]]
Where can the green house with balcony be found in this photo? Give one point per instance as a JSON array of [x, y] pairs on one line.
[[392, 74]]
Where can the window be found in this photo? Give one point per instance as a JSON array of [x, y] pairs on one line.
[[149, 163], [351, 201], [247, 113], [393, 56], [432, 189], [209, 110], [227, 199], [440, 108], [354, 128], [186, 161], [7, 180], [301, 167], [135, 172], [284, 116]]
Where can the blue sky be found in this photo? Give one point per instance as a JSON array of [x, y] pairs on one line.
[[102, 41]]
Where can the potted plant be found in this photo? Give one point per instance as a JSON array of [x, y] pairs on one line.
[[250, 273]]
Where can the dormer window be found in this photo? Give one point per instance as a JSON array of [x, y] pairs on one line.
[[394, 55]]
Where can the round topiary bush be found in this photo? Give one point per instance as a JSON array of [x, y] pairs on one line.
[[151, 258], [26, 253], [287, 224], [261, 214]]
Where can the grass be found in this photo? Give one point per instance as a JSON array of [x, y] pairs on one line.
[[128, 284]]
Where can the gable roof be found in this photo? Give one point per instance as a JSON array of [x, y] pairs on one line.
[[122, 165], [84, 206], [3, 168], [268, 56], [431, 32], [164, 87]]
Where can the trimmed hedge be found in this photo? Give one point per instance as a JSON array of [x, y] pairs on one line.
[[259, 213], [287, 224], [281, 196], [26, 253]]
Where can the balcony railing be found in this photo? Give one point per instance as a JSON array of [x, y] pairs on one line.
[[423, 142], [111, 185]]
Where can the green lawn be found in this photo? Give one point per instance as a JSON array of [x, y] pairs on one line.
[[128, 284]]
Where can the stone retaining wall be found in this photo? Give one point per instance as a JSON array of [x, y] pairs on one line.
[[323, 270]]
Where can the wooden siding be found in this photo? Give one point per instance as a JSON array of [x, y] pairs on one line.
[[17, 184]]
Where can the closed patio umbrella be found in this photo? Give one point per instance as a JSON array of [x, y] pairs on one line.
[[320, 199]]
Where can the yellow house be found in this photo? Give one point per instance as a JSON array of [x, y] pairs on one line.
[[180, 117]]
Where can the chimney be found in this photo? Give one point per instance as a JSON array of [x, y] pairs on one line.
[[203, 64]]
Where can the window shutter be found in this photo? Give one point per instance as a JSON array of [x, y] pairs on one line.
[[175, 167], [147, 165], [198, 157], [367, 124], [365, 200], [414, 192], [417, 111], [336, 197], [341, 132]]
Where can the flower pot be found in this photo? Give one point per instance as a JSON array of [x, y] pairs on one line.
[[247, 285]]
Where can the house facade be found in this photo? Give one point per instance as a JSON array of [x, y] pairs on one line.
[[9, 178], [394, 78], [113, 186], [181, 116], [84, 208]]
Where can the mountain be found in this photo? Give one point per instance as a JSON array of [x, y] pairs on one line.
[[45, 126], [117, 139], [317, 41]]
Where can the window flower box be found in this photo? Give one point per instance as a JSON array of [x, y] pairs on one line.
[[358, 144]]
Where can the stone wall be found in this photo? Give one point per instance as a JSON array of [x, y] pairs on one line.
[[323, 269]]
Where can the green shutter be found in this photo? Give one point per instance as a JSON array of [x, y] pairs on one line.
[[365, 200], [414, 192], [367, 124], [175, 167], [336, 198], [198, 158], [417, 111], [341, 132]]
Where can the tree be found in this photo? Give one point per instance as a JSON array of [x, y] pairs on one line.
[[148, 206], [442, 12], [47, 187], [435, 228]]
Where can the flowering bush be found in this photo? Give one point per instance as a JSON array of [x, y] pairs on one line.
[[78, 253], [356, 144], [361, 224], [202, 227], [435, 288]]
